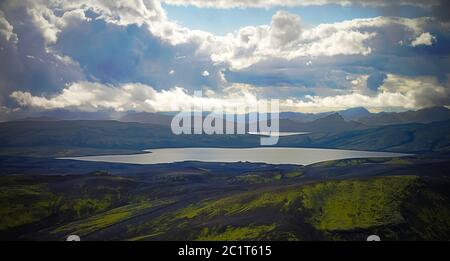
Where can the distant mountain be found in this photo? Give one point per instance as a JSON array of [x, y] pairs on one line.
[[70, 137], [149, 118], [329, 124], [61, 114], [413, 138], [43, 118], [288, 119], [303, 117], [352, 114], [427, 115], [355, 114]]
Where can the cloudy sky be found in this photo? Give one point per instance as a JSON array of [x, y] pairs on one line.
[[151, 55]]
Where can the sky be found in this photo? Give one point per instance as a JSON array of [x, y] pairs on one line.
[[152, 55]]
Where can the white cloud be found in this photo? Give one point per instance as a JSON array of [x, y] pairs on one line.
[[7, 30], [424, 39], [292, 3], [422, 91], [285, 29], [47, 22], [51, 17], [413, 25], [397, 92], [88, 96], [284, 38], [340, 43]]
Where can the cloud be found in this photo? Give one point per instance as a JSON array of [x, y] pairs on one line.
[[6, 29], [441, 10], [205, 73], [30, 65], [397, 92], [285, 38], [88, 96], [293, 3], [285, 29], [48, 22], [51, 17], [422, 91], [424, 39], [72, 41], [328, 63]]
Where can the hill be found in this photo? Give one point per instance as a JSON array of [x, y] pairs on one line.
[[351, 114], [426, 115], [332, 123], [397, 199], [148, 118], [76, 138], [413, 138]]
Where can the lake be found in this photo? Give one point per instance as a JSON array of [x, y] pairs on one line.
[[273, 155]]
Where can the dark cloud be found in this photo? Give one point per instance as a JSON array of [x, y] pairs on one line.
[[332, 72], [27, 65], [442, 11], [375, 80], [95, 51], [116, 54]]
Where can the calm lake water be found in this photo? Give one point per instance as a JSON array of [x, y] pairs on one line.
[[297, 156]]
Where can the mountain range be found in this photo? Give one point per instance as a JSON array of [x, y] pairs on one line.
[[357, 114]]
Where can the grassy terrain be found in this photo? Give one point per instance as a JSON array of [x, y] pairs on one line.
[[105, 219], [334, 206], [337, 200], [357, 204], [24, 203]]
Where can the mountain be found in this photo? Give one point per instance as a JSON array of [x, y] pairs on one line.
[[303, 117], [365, 117], [62, 114], [69, 138], [43, 118], [332, 123], [412, 138], [146, 117], [427, 115], [355, 114], [351, 114]]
